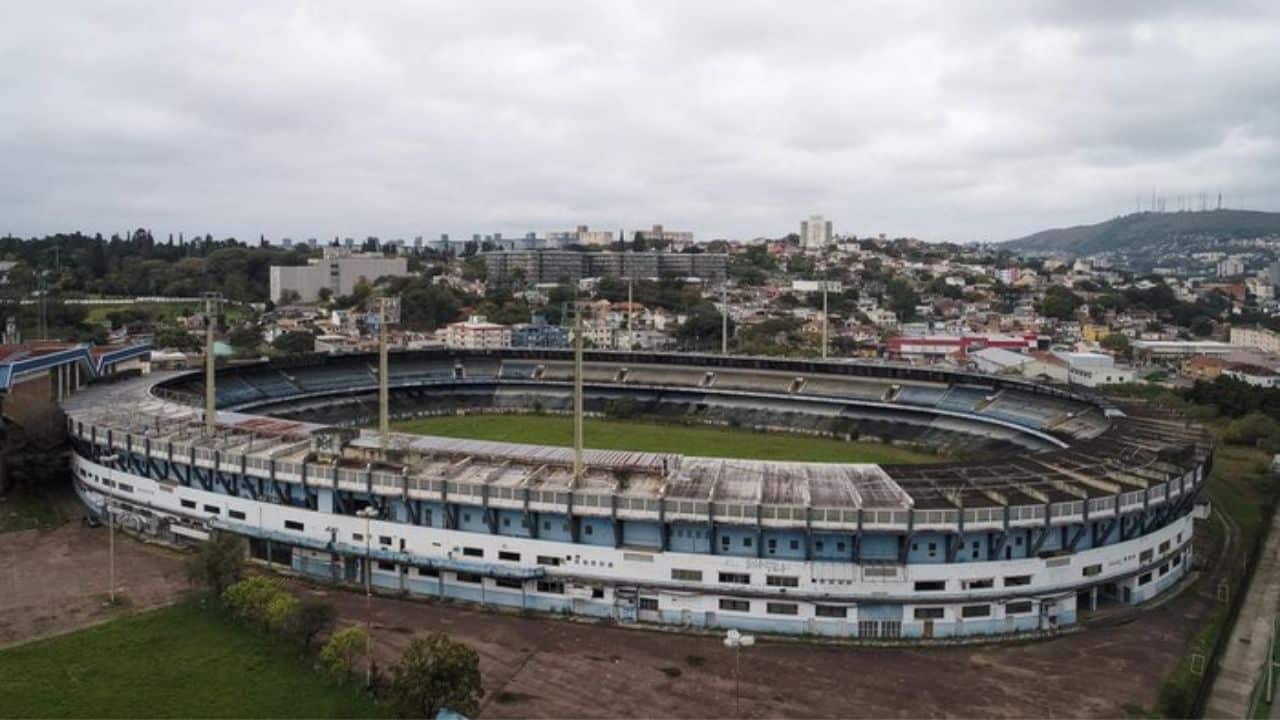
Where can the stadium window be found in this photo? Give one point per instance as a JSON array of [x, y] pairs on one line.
[[213, 509], [1177, 559], [426, 517], [1017, 580], [648, 603], [390, 567], [189, 504], [1091, 570], [746, 541], [817, 545], [782, 581], [548, 560], [735, 605], [773, 544], [724, 541], [929, 613], [235, 514], [1164, 569], [840, 546], [983, 584], [735, 578], [782, 608], [125, 487], [505, 583], [930, 585], [915, 547], [597, 593], [471, 578], [546, 524], [551, 586], [384, 539], [686, 575], [508, 555], [506, 522], [975, 611], [293, 525], [1146, 556], [795, 544], [466, 517], [1144, 578], [588, 530], [1022, 607], [831, 611], [1164, 547], [357, 537], [428, 572], [473, 552]]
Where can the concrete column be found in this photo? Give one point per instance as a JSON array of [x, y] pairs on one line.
[[1093, 598]]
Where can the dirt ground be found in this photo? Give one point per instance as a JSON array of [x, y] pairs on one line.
[[54, 581]]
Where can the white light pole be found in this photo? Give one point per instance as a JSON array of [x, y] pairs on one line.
[[111, 532], [368, 513], [737, 641]]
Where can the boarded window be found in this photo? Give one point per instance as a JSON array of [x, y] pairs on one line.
[[686, 575], [1091, 570]]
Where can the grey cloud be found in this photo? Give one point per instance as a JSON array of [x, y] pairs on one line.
[[953, 121]]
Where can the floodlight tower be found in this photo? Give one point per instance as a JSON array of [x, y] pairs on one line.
[[724, 318], [577, 393], [212, 303], [388, 313]]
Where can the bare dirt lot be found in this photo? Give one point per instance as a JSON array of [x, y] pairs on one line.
[[54, 581]]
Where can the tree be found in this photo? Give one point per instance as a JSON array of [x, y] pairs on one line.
[[1118, 344], [344, 651], [312, 619], [1059, 303], [218, 563], [434, 673], [295, 342], [176, 338], [245, 339], [701, 330]]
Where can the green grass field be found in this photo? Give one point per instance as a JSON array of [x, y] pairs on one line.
[[658, 437], [28, 511], [181, 661]]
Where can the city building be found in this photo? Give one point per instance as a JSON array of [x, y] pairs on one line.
[[1256, 337], [1093, 369], [539, 334], [675, 239], [815, 233], [477, 333], [936, 347], [1230, 267], [338, 271], [560, 266]]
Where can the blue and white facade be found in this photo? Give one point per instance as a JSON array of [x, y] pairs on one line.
[[1086, 506]]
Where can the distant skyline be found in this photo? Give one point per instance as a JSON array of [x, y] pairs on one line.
[[956, 121]]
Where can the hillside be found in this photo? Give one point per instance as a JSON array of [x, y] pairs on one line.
[[1141, 233]]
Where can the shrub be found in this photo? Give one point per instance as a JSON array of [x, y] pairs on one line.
[[280, 612], [217, 563], [434, 673], [250, 598], [312, 619], [344, 651]]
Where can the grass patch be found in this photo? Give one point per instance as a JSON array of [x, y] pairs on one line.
[[180, 661], [643, 436], [28, 511]]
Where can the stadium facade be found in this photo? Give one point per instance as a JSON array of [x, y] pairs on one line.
[[1064, 502]]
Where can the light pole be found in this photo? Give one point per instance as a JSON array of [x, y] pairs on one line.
[[368, 513], [737, 641], [111, 535]]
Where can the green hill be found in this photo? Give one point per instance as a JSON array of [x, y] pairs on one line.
[[1142, 232]]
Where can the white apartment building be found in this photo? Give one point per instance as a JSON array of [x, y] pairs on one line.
[[477, 333], [1093, 369], [815, 233], [338, 271], [1255, 337]]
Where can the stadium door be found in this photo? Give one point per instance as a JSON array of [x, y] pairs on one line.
[[928, 629]]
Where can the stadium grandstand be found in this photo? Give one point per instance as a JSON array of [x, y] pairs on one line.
[[1050, 503]]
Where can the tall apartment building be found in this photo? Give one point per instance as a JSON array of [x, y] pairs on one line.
[[815, 233], [339, 271], [583, 235], [557, 266], [677, 239]]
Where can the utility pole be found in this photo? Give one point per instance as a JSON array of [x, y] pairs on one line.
[[824, 321], [577, 394], [212, 301], [631, 332], [724, 318], [388, 312], [111, 531], [367, 512]]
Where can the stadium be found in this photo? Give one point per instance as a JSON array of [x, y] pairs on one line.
[[1048, 502]]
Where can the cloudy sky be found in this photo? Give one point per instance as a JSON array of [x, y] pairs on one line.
[[947, 121]]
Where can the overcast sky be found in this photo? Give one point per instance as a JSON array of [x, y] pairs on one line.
[[947, 121]]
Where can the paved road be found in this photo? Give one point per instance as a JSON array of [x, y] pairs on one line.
[[1246, 650]]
